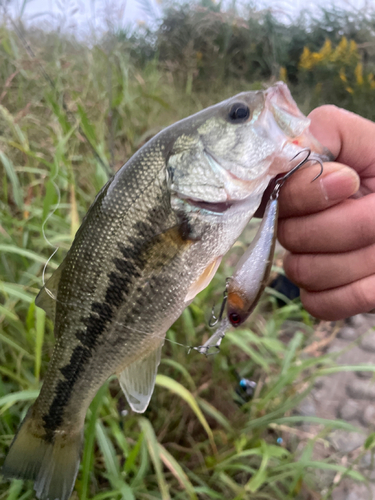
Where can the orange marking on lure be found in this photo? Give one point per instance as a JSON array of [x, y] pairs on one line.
[[234, 300]]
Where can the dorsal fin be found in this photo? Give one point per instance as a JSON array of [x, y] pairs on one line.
[[46, 298]]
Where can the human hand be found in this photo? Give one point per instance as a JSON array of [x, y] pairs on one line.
[[330, 238]]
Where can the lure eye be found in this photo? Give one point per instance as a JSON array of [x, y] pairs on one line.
[[239, 113], [235, 319]]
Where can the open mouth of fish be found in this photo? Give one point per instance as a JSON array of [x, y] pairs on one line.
[[288, 120]]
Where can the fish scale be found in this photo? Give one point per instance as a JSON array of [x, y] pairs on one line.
[[152, 239]]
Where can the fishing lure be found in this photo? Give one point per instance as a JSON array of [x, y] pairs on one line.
[[244, 289]]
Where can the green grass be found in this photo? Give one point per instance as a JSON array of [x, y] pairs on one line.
[[194, 441]]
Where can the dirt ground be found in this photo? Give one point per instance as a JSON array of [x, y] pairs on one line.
[[349, 396]]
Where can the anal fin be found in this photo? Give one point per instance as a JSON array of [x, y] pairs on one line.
[[138, 379]]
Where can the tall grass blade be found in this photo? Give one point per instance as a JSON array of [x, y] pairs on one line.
[[154, 451], [171, 463], [12, 175], [17, 397], [173, 386], [88, 452], [16, 291], [40, 318], [26, 253]]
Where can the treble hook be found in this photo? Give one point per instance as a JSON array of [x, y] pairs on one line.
[[280, 182], [215, 320], [214, 341]]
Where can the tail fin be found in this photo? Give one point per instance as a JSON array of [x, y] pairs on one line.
[[52, 465]]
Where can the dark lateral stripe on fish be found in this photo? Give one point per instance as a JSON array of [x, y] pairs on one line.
[[102, 314], [54, 418]]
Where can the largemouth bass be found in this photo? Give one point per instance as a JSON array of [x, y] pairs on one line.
[[152, 239]]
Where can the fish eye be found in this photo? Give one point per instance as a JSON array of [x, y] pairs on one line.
[[235, 319], [239, 112]]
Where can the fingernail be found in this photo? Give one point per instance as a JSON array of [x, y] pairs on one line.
[[340, 184]]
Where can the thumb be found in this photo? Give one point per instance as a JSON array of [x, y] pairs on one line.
[[350, 137], [299, 196]]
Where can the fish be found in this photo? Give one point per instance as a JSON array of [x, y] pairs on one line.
[[151, 241]]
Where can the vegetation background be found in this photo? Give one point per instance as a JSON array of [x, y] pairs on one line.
[[72, 111]]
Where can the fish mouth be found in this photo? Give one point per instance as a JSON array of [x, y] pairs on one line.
[[293, 124], [280, 99], [217, 208]]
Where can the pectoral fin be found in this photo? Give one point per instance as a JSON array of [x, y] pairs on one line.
[[138, 379], [203, 280]]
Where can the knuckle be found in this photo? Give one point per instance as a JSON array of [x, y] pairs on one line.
[[287, 233], [366, 226], [299, 234], [368, 259], [296, 269], [292, 198], [312, 303], [363, 299]]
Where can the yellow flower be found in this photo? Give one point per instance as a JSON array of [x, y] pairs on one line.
[[340, 51], [371, 81], [342, 75], [345, 54], [326, 51], [353, 48], [283, 74], [343, 45], [358, 72], [317, 57], [305, 61], [350, 90]]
